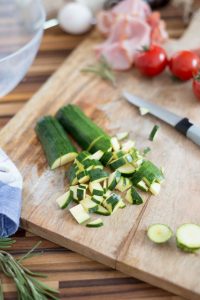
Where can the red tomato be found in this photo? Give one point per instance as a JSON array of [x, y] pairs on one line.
[[196, 86], [184, 64], [151, 61]]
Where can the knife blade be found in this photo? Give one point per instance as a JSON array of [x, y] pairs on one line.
[[181, 124]]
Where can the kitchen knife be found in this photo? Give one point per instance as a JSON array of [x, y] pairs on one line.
[[183, 125]]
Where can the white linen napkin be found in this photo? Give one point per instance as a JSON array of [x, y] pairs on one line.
[[10, 196]]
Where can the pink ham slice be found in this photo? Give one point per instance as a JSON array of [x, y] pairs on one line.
[[107, 19], [135, 8], [128, 36], [129, 26]]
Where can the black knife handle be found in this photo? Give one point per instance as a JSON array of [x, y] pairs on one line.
[[183, 126]]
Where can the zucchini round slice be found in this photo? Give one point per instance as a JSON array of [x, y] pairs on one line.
[[188, 237], [159, 233], [95, 224]]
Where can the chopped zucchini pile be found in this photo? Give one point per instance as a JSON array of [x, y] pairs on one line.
[[102, 172], [96, 187]]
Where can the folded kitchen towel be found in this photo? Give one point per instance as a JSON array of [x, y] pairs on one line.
[[10, 196]]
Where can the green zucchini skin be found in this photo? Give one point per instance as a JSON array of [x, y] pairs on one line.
[[149, 172], [83, 129], [54, 140]]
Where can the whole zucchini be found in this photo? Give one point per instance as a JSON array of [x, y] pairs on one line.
[[56, 144], [87, 134]]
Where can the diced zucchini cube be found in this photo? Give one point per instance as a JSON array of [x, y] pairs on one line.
[[64, 200], [79, 213]]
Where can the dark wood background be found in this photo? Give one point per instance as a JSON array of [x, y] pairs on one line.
[[77, 277]]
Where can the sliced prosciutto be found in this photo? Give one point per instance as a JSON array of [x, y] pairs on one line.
[[129, 26], [127, 37]]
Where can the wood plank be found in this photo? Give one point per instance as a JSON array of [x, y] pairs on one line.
[[78, 277]]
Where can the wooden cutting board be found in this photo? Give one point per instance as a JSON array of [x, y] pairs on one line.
[[121, 243]]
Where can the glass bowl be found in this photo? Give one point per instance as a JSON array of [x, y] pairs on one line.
[[21, 30]]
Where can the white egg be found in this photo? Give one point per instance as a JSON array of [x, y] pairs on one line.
[[94, 5], [75, 18]]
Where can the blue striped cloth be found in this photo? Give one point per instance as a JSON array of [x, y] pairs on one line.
[[10, 196]]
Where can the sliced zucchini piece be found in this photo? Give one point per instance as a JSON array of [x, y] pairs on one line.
[[57, 146], [149, 173], [122, 204], [89, 205], [79, 213], [138, 163], [81, 193], [83, 186], [124, 184], [96, 188], [122, 135], [133, 197], [106, 158], [97, 155], [128, 157], [112, 203], [135, 154], [127, 146], [98, 175], [103, 144], [82, 156], [73, 180], [159, 233], [142, 186], [107, 194], [74, 189], [146, 151], [153, 132], [127, 169], [115, 144], [91, 163], [155, 188], [118, 154], [113, 180], [117, 163], [188, 237], [95, 224], [64, 200], [97, 199], [83, 176], [105, 185], [102, 211]]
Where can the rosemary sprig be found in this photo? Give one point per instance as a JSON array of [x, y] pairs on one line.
[[6, 243], [103, 70], [27, 284]]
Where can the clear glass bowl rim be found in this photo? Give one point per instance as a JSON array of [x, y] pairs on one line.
[[43, 18]]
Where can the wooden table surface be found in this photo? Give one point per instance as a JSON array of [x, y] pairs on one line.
[[76, 277]]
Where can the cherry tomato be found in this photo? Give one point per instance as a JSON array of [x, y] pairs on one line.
[[196, 86], [184, 64], [151, 61]]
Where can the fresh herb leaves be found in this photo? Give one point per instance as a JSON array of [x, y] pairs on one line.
[[6, 243], [102, 69], [27, 284]]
